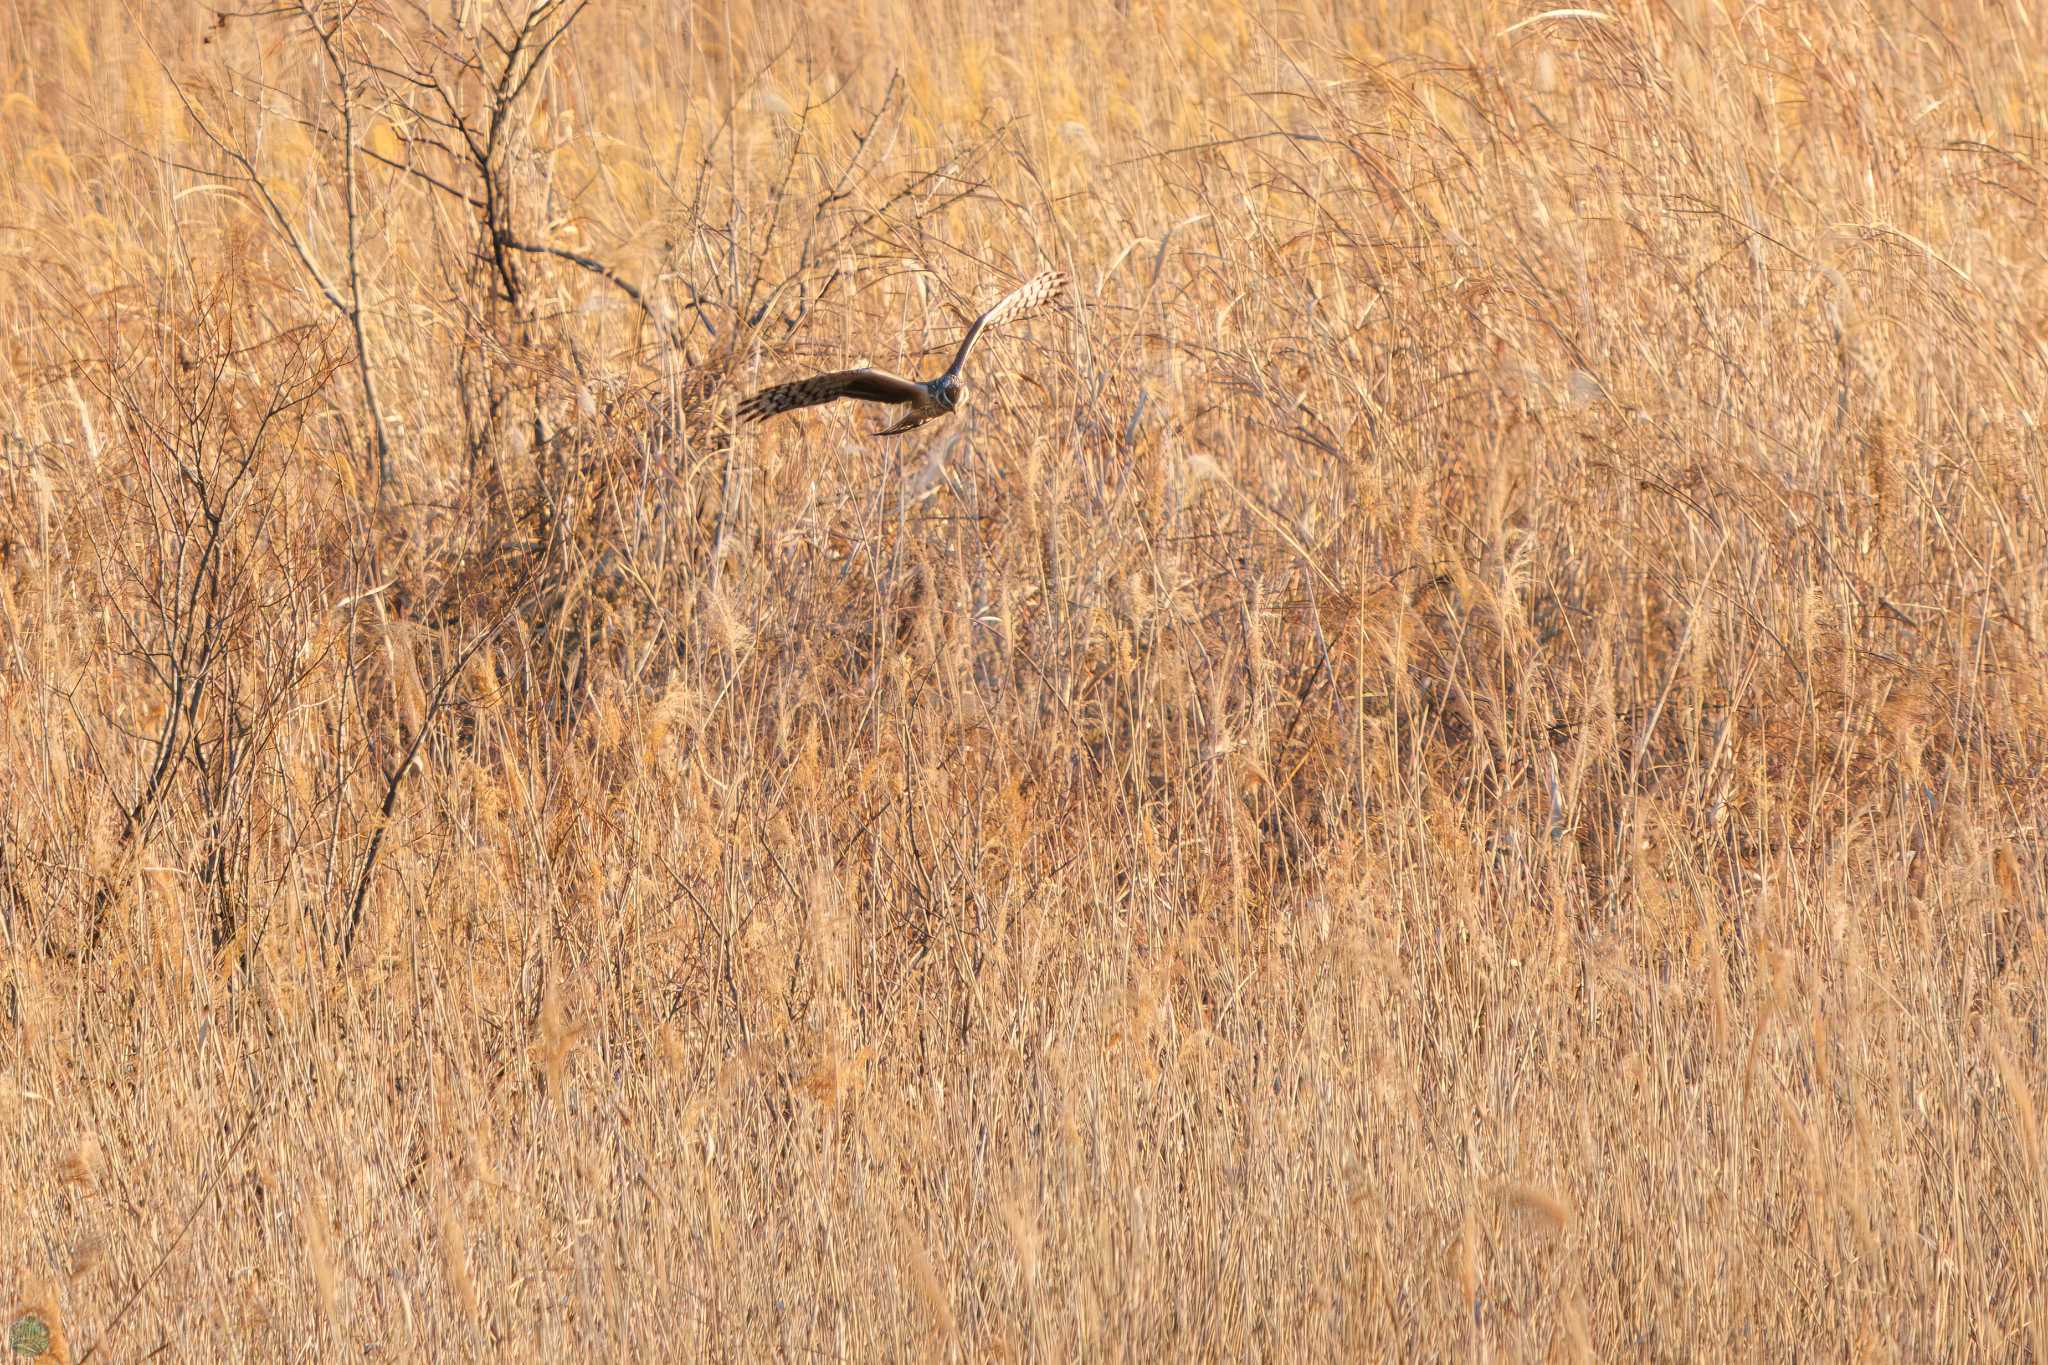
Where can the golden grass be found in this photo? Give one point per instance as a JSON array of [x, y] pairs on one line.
[[1448, 764]]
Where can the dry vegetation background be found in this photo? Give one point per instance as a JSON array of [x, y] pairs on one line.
[[1448, 764]]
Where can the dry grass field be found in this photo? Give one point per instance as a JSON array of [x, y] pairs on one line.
[[1447, 764]]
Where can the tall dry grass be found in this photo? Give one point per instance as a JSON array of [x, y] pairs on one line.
[[1449, 764]]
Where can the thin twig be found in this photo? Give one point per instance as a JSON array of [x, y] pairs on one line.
[[248, 1130], [604, 272]]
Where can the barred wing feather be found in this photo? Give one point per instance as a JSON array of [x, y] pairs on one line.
[[875, 386], [1020, 302]]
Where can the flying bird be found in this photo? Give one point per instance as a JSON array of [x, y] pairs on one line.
[[922, 400]]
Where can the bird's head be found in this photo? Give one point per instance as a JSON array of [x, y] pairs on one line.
[[949, 391]]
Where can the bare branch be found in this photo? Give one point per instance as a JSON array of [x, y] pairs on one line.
[[604, 272]]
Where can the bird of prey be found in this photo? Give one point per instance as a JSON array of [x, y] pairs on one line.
[[922, 401]]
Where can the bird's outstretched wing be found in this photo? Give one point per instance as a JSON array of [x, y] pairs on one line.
[[876, 386], [1019, 302]]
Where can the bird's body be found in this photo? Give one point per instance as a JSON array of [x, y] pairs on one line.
[[923, 400]]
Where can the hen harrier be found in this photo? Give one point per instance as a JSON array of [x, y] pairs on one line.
[[925, 400]]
